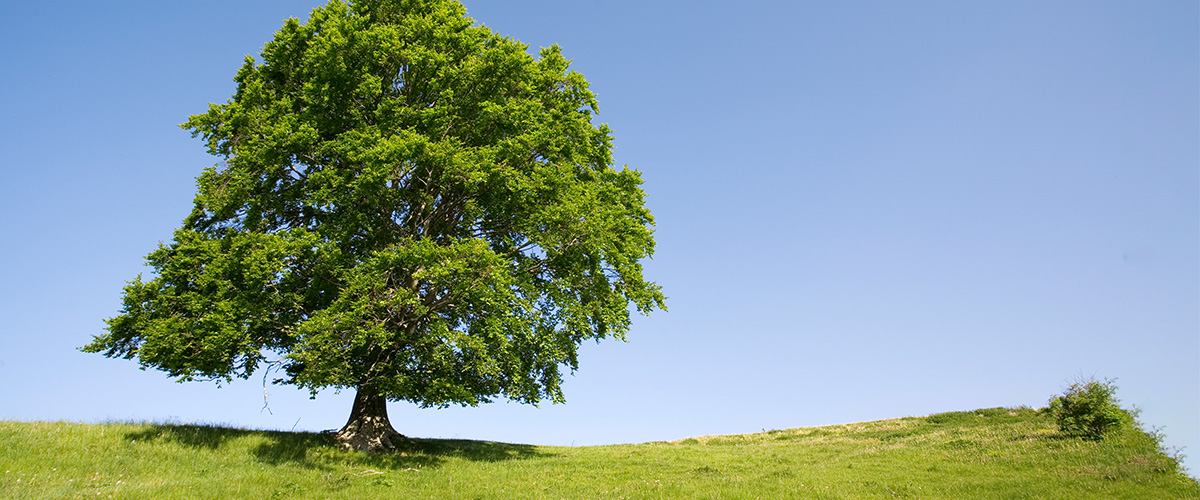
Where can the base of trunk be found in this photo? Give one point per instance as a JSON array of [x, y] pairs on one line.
[[368, 428], [370, 438]]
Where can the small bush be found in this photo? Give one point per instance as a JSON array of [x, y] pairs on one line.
[[1087, 409]]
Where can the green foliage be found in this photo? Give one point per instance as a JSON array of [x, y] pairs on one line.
[[984, 454], [408, 203], [1088, 409]]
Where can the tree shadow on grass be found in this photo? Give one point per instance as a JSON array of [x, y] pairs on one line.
[[318, 450], [192, 436]]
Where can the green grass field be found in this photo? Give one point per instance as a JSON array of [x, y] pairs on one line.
[[992, 453]]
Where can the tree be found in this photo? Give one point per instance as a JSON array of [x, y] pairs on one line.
[[408, 205]]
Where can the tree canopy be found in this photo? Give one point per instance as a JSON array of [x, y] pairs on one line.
[[408, 204]]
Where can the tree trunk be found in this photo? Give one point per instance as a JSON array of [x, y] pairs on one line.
[[368, 428]]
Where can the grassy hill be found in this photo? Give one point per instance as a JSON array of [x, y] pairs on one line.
[[992, 453]]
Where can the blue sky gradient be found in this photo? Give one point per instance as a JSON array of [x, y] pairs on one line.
[[865, 209]]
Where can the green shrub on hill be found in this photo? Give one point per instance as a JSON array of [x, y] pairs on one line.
[[1088, 409]]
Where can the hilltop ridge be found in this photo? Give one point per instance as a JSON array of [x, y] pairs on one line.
[[987, 453]]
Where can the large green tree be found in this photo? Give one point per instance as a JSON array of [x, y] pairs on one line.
[[409, 205]]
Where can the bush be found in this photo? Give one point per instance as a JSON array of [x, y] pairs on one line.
[[1087, 409]]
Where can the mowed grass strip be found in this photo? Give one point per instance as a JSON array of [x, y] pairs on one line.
[[991, 453]]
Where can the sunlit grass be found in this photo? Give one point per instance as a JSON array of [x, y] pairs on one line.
[[994, 453]]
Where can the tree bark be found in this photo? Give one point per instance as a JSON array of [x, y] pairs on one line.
[[368, 428]]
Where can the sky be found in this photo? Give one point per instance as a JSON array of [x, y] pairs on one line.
[[865, 209]]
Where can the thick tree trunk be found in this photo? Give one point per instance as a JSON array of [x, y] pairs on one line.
[[368, 428]]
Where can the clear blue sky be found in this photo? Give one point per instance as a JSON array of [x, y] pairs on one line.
[[865, 209]]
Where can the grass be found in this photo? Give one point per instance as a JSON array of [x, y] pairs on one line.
[[992, 453]]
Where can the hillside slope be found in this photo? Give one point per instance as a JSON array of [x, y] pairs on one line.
[[992, 453]]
